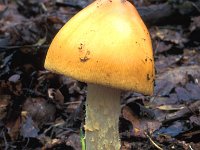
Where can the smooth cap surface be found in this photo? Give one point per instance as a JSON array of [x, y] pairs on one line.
[[106, 43]]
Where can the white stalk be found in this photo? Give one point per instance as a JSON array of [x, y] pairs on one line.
[[102, 118]]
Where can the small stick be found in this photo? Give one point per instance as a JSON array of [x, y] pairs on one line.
[[158, 147]]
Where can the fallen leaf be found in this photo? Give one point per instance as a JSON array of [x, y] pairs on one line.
[[195, 120], [28, 129], [185, 112], [174, 129], [14, 78], [163, 87], [170, 107], [191, 57], [4, 103], [13, 127], [178, 75], [163, 63], [39, 110], [140, 126], [170, 35], [162, 47], [195, 24], [56, 95], [171, 99], [194, 90], [40, 41], [183, 94], [74, 141]]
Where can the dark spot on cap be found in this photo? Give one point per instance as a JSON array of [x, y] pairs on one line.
[[108, 75], [148, 77], [86, 57], [80, 46]]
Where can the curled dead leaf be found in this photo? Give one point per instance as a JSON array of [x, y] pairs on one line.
[[140, 126]]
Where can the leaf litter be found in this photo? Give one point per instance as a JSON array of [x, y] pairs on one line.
[[43, 110]]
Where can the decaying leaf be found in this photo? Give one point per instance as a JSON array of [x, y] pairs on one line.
[[28, 129], [140, 125], [174, 129], [172, 77], [39, 110], [195, 120], [183, 94], [56, 95], [195, 23], [163, 63], [190, 57], [13, 127], [174, 36], [4, 103], [170, 107], [185, 112], [74, 141], [35, 102], [14, 78], [164, 87], [162, 47], [179, 74]]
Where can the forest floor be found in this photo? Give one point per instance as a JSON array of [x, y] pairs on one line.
[[43, 110]]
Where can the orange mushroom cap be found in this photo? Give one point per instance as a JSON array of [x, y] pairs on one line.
[[106, 43]]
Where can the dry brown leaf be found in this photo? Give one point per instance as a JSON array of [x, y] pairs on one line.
[[40, 110], [56, 95], [179, 74], [74, 141], [28, 128], [195, 23], [14, 78], [172, 77], [187, 111], [170, 107], [4, 103], [169, 35], [195, 120], [13, 127], [140, 126]]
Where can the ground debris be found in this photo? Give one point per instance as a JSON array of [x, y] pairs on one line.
[[43, 110]]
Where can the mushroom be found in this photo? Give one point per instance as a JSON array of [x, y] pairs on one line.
[[108, 46]]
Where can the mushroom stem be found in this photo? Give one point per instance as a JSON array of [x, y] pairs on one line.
[[102, 118]]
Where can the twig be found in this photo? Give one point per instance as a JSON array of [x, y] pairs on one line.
[[158, 147], [5, 141], [191, 147], [195, 6], [76, 102], [194, 107]]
